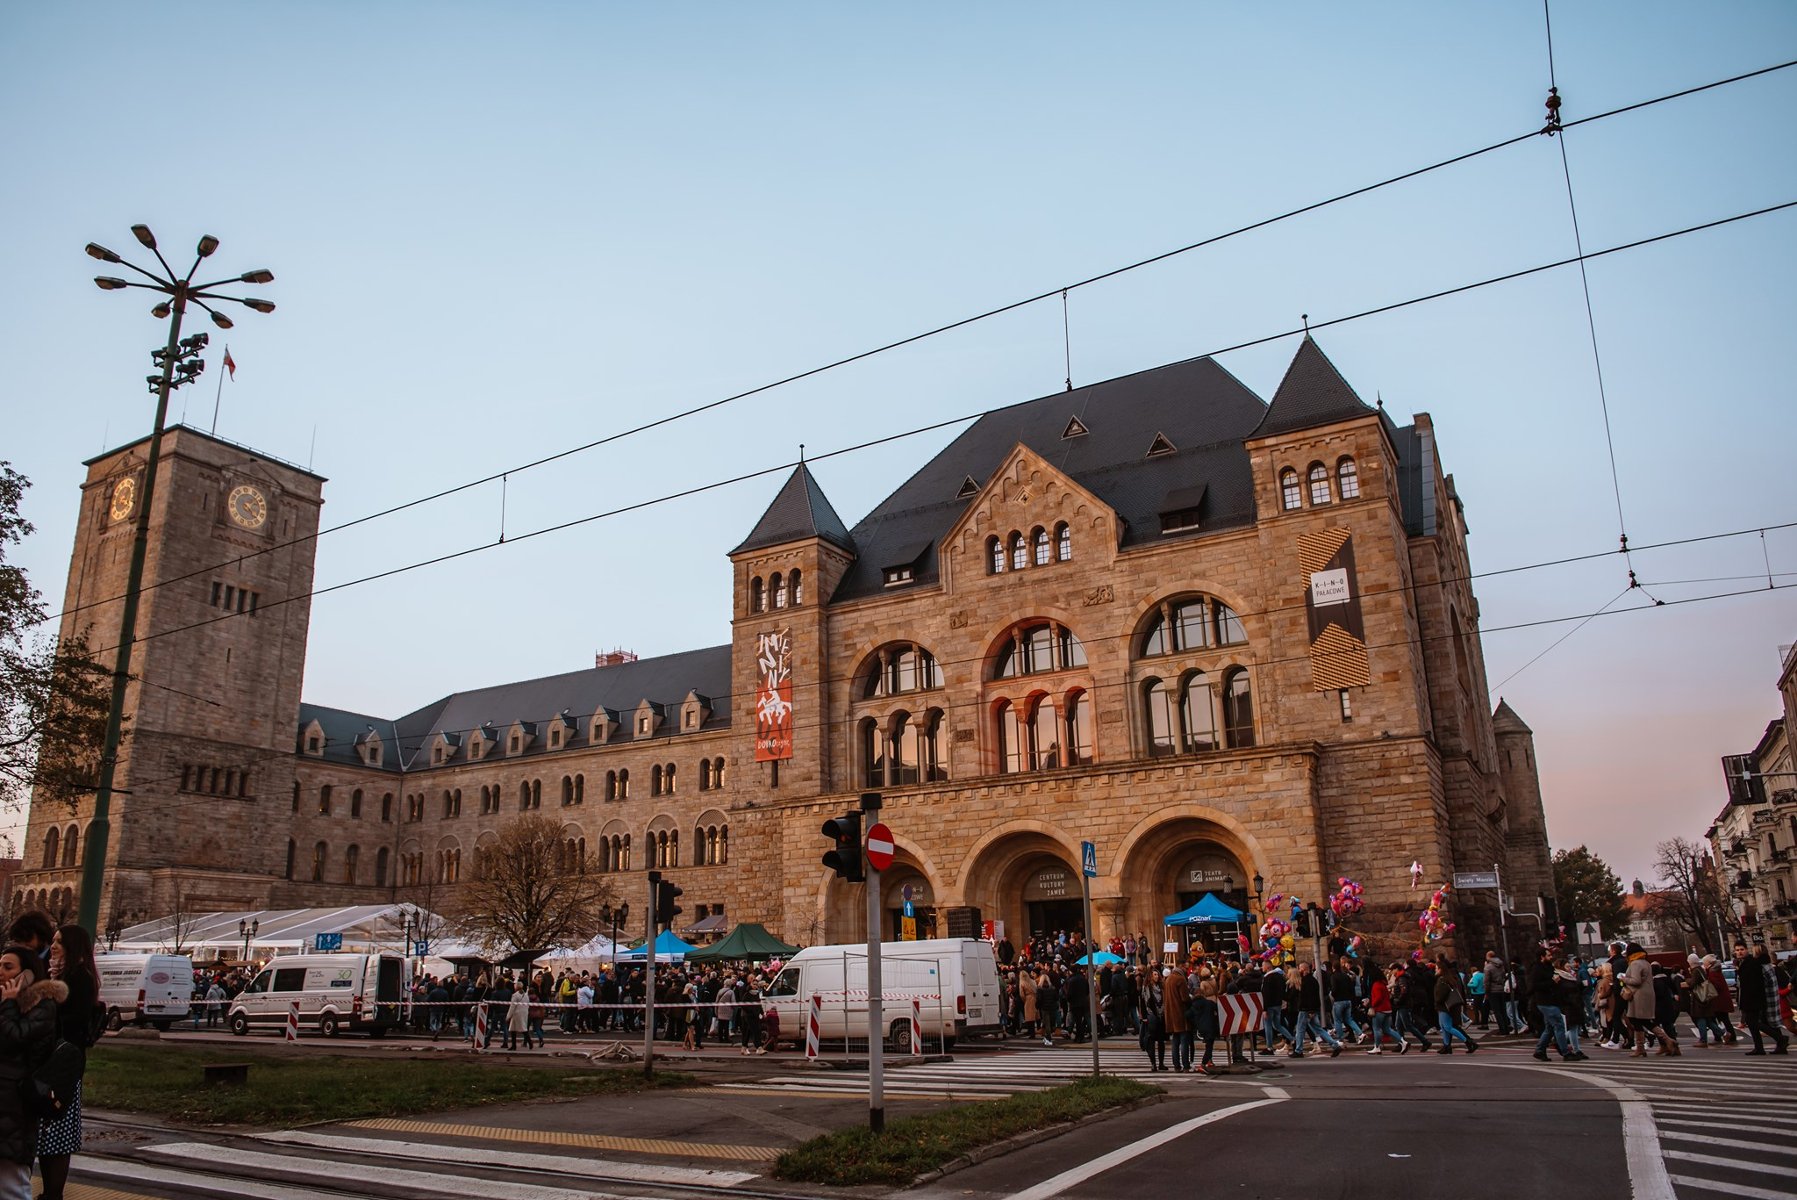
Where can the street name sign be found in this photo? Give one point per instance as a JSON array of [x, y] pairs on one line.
[[1473, 881]]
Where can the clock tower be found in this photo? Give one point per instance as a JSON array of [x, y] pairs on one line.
[[204, 786]]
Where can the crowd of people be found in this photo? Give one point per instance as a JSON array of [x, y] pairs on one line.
[[1623, 1001]]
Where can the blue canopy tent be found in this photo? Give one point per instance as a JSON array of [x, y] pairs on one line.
[[668, 948], [1208, 911], [1100, 959]]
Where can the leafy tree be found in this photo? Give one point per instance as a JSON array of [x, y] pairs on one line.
[[53, 697], [532, 889], [1589, 891], [1690, 902]]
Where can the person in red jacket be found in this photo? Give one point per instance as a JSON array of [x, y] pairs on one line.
[[1379, 1004]]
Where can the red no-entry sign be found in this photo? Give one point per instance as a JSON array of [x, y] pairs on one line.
[[879, 846]]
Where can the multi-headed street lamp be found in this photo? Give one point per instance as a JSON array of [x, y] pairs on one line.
[[180, 364]]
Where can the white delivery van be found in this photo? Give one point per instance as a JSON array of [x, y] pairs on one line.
[[954, 979], [145, 988], [335, 992]]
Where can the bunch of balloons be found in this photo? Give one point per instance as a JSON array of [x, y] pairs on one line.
[[1276, 941], [1433, 921], [1347, 899]]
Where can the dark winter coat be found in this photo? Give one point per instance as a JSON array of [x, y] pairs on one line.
[[27, 1035]]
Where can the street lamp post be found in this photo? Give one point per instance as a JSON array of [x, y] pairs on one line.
[[247, 929], [181, 364]]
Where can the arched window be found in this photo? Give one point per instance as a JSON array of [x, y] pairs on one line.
[[387, 805], [1347, 479], [873, 754], [1197, 715], [1319, 484], [669, 782], [318, 856], [355, 804], [1158, 717], [1012, 744], [380, 867], [290, 849], [524, 794], [776, 586], [71, 845], [1034, 649], [717, 772], [580, 789], [1045, 736], [324, 800], [1291, 491], [52, 840], [1079, 729], [1228, 626], [933, 766], [995, 556], [624, 784], [1063, 542], [796, 582], [903, 768], [350, 857], [1039, 539], [611, 785], [1238, 710], [900, 668], [1020, 552], [655, 780], [567, 790], [536, 793], [755, 594]]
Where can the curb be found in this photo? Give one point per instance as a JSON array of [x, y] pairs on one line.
[[999, 1149]]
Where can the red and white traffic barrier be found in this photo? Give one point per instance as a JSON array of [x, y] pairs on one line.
[[293, 1022], [480, 1027], [1237, 1014], [813, 1030], [916, 1027]]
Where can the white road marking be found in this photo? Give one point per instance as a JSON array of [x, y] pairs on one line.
[[1057, 1184], [562, 1164], [1730, 1126], [1733, 1189], [1648, 1178], [1727, 1143], [1733, 1164], [87, 1165], [339, 1174]]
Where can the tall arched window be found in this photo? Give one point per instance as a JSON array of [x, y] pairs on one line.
[[350, 858], [71, 845], [1319, 484], [1197, 714], [1020, 552], [1011, 739], [903, 768], [901, 668], [1063, 542], [624, 783], [52, 840], [567, 790], [995, 556], [380, 867], [355, 804], [1347, 479], [1034, 649], [717, 772], [580, 789], [755, 594], [1159, 722], [776, 587], [318, 856], [1291, 490], [1039, 540], [873, 753], [1079, 729], [796, 582], [1238, 710], [1045, 736], [655, 783], [933, 765]]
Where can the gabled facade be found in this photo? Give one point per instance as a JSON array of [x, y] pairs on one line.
[[1219, 638]]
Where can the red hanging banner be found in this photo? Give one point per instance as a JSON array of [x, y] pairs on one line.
[[773, 696]]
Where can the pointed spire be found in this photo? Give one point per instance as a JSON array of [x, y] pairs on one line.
[[799, 511], [1312, 393], [1505, 720]]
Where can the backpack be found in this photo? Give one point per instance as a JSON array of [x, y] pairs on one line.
[[97, 1021]]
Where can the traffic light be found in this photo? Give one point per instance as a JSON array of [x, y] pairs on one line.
[[845, 833], [1301, 923], [666, 892]]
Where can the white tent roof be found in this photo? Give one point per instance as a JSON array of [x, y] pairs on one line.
[[365, 927]]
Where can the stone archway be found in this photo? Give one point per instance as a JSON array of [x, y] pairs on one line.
[[1173, 858], [1025, 874], [841, 914]]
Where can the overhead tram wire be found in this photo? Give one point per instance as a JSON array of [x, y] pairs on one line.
[[978, 704], [699, 489], [963, 322], [1552, 646]]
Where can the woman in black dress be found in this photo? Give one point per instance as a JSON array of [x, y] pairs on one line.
[[71, 961]]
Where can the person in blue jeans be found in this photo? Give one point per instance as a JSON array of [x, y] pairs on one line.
[[1450, 1002], [1546, 987], [1310, 1013], [1341, 996]]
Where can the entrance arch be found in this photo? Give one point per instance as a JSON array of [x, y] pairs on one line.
[[1026, 874], [1172, 859], [842, 907]]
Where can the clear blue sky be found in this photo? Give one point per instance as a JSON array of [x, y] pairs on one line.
[[499, 230]]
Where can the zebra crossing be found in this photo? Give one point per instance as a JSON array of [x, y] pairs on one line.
[[987, 1076]]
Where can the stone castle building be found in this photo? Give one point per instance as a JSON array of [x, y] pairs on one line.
[[1220, 638]]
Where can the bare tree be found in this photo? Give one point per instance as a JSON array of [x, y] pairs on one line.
[[1690, 903], [179, 925], [534, 889], [420, 911]]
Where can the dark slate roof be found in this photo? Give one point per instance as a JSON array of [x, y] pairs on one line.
[[665, 680], [799, 511], [342, 728], [1312, 393], [1200, 407]]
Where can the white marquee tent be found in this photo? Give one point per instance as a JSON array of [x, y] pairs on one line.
[[364, 928]]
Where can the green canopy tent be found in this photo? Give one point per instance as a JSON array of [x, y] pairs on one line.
[[748, 940]]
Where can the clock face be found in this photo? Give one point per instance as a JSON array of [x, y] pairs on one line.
[[247, 507], [124, 498]]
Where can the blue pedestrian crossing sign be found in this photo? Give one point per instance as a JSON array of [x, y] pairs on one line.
[[1088, 859]]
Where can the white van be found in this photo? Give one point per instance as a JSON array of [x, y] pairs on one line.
[[954, 979], [335, 992], [145, 988]]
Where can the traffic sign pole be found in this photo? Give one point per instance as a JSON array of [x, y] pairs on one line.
[[1088, 863], [879, 857]]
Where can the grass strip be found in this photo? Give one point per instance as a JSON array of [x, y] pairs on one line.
[[288, 1089], [914, 1145]]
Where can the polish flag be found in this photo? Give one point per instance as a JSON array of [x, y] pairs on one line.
[[230, 363]]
